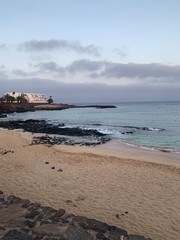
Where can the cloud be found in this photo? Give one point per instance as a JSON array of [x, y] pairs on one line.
[[122, 52], [94, 92], [2, 46], [3, 73], [19, 72], [2, 67], [106, 70], [133, 70], [53, 44], [79, 66]]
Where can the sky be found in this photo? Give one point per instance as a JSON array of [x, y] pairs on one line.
[[97, 51]]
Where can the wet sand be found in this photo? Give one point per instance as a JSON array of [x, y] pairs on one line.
[[138, 190]]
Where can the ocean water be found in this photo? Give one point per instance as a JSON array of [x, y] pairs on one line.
[[146, 124]]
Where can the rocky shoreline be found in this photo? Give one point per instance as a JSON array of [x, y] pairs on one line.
[[27, 107], [64, 135], [22, 220]]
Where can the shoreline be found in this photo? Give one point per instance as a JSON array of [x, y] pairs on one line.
[[129, 151], [96, 184]]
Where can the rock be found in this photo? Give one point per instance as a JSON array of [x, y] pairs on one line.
[[81, 222], [88, 137], [50, 230], [2, 200], [32, 214], [36, 204], [14, 199], [60, 213], [37, 222], [60, 170], [11, 213], [16, 235], [38, 238], [48, 213], [1, 192], [97, 225], [46, 162], [100, 236], [73, 233], [30, 224], [115, 231], [53, 168], [2, 229], [3, 115]]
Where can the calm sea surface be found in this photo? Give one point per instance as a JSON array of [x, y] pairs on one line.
[[149, 124]]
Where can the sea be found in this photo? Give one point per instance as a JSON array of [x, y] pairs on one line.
[[153, 125]]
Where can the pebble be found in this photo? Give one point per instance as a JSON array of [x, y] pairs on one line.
[[60, 213]]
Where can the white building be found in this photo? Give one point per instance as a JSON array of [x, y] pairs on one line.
[[31, 97]]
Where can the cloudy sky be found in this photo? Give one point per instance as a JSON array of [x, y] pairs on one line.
[[91, 50]]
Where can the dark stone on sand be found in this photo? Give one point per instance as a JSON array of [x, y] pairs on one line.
[[32, 214], [114, 231], [97, 225], [16, 235], [81, 222], [1, 192], [100, 236], [59, 213], [53, 168], [73, 233], [60, 170], [46, 162]]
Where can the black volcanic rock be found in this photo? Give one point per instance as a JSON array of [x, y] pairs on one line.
[[97, 106], [91, 137], [3, 115], [41, 126], [40, 222]]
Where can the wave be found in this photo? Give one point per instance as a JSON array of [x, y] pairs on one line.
[[145, 128]]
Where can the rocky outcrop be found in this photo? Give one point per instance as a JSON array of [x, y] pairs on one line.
[[22, 220], [87, 136], [3, 115], [97, 106]]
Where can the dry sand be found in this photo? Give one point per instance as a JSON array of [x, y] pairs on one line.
[[140, 195]]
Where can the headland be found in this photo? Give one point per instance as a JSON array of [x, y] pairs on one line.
[[25, 107]]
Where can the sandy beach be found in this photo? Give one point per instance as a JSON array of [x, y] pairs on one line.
[[135, 189]]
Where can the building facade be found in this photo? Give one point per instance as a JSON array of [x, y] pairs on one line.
[[31, 97]]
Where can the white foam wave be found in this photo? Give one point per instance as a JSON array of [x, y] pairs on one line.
[[154, 129]]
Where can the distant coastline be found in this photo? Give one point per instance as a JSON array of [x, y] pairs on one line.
[[25, 107]]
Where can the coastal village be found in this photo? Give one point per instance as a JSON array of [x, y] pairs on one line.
[[14, 97]]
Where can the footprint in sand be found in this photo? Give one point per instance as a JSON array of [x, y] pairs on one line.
[[80, 198], [69, 202]]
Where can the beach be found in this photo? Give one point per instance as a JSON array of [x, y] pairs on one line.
[[132, 188]]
